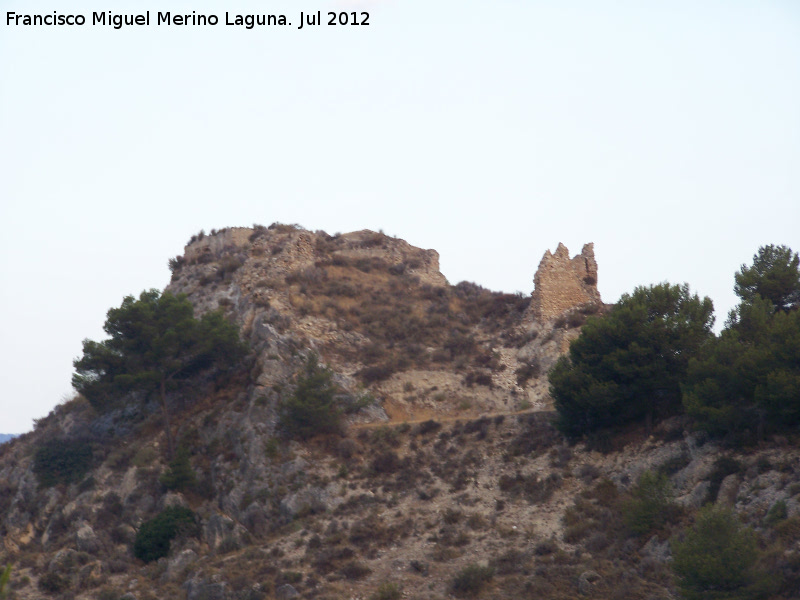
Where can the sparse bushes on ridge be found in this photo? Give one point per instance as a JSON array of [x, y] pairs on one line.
[[258, 231], [176, 264], [196, 237]]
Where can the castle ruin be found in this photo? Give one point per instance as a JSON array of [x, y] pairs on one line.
[[561, 283]]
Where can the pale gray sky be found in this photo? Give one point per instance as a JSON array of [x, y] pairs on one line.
[[668, 133]]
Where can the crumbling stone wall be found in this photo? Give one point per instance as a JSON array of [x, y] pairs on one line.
[[562, 283]]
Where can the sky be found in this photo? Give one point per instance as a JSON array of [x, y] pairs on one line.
[[667, 133]]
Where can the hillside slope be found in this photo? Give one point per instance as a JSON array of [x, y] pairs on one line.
[[448, 480]]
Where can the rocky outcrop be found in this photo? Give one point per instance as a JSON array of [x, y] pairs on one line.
[[562, 283]]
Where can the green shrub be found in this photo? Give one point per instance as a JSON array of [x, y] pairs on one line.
[[651, 505], [388, 591], [53, 583], [5, 576], [717, 558], [312, 408], [180, 475], [788, 529], [776, 513], [154, 536], [62, 461], [471, 579], [355, 570]]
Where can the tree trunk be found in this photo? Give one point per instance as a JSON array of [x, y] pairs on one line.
[[167, 426]]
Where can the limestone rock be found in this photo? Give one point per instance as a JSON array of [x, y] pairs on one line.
[[285, 592], [728, 490], [177, 564], [223, 533], [171, 499], [313, 499], [64, 560], [198, 589], [86, 539], [587, 581], [696, 497], [657, 550]]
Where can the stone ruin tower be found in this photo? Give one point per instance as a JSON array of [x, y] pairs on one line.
[[562, 283]]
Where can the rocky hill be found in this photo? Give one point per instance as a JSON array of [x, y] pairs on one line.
[[449, 478]]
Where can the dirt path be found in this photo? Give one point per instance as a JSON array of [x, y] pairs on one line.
[[445, 418]]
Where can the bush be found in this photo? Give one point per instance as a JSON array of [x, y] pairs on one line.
[[777, 513], [5, 576], [180, 475], [532, 488], [429, 426], [62, 460], [716, 559], [651, 505], [176, 264], [53, 583], [471, 579], [388, 591], [154, 536], [312, 408], [355, 570]]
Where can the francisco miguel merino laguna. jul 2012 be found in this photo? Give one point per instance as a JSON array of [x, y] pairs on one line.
[[117, 21]]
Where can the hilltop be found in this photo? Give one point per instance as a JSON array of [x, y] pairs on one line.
[[447, 477]]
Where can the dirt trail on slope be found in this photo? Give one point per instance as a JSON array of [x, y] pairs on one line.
[[416, 418]]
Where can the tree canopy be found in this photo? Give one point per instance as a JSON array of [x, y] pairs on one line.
[[155, 343], [717, 559], [749, 378], [629, 364], [774, 276]]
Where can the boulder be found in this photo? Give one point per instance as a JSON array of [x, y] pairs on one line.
[[86, 539], [587, 581], [199, 589], [285, 592], [728, 490]]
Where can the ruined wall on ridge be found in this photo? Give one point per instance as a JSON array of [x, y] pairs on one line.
[[561, 283]]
